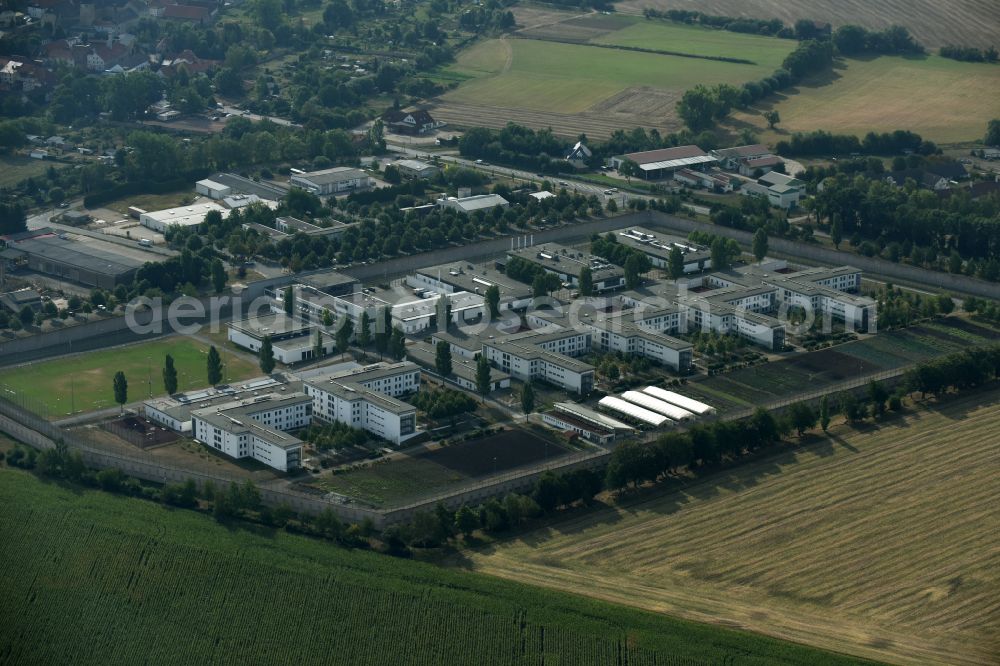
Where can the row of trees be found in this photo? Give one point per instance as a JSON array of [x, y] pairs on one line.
[[969, 53], [213, 373], [821, 142]]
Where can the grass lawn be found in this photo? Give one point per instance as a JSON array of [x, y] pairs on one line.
[[87, 378], [14, 169], [880, 541], [767, 52], [570, 78], [153, 201], [145, 583], [943, 100], [391, 483]]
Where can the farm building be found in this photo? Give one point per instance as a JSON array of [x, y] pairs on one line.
[[691, 405], [780, 190], [473, 203], [751, 167], [332, 181], [589, 424], [662, 163], [418, 121], [731, 158], [711, 180], [182, 216], [633, 412]]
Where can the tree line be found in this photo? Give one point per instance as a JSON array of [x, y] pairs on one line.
[[969, 53], [821, 142]]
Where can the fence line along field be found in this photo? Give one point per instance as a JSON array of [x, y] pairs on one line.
[[882, 542], [93, 578], [84, 382], [942, 100], [964, 22]]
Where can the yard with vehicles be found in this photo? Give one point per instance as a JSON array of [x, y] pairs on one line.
[[84, 382], [940, 99], [435, 469], [876, 540], [167, 586]]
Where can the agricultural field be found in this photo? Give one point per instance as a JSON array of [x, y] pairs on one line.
[[407, 477], [811, 371], [144, 583], [881, 542], [15, 168], [934, 24], [83, 382], [940, 99], [560, 74]]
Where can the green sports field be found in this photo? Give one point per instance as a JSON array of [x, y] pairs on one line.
[[943, 100], [84, 382], [92, 578]]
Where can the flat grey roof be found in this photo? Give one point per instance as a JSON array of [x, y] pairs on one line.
[[333, 175], [470, 277], [465, 368], [84, 256], [247, 186], [270, 324]]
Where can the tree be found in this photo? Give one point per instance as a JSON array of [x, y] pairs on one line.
[[836, 232], [397, 344], [878, 395], [169, 375], [801, 417], [266, 355], [527, 399], [482, 374], [824, 413], [628, 168], [720, 254], [466, 520], [214, 366], [992, 137], [772, 117], [675, 263], [760, 244], [850, 407], [289, 300], [442, 358], [26, 315], [318, 348], [121, 390], [635, 266], [365, 331], [218, 276], [586, 281], [344, 333]]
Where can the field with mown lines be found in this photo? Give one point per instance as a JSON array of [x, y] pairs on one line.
[[883, 542], [942, 100], [965, 22], [94, 578]]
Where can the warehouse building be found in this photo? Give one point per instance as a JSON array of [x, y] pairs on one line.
[[88, 261], [416, 169], [472, 204], [337, 180], [662, 163], [182, 216]]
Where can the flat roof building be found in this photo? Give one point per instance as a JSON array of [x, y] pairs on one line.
[[416, 169], [463, 369], [332, 181], [566, 263], [182, 216], [657, 246], [292, 340], [473, 203], [91, 261]]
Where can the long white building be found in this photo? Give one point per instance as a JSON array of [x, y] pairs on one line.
[[366, 398]]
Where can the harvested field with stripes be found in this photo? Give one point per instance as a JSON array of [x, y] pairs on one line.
[[882, 542]]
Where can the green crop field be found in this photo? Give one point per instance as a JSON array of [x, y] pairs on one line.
[[943, 100], [91, 578], [571, 78], [86, 380]]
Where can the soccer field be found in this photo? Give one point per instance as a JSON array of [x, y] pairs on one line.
[[942, 100], [883, 542], [84, 382]]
